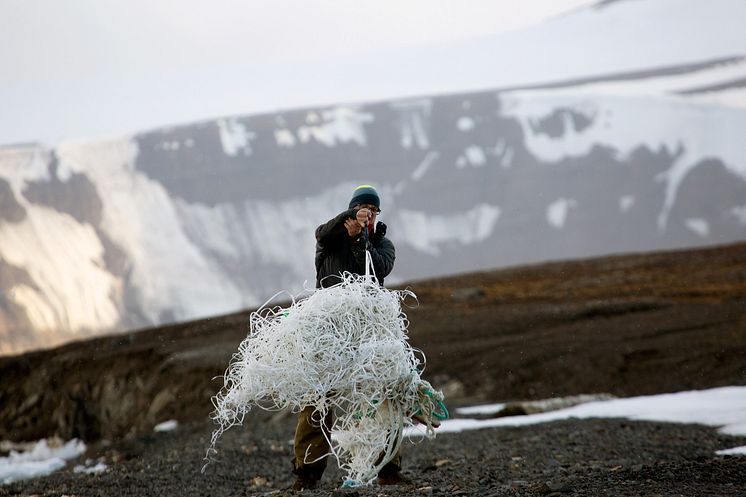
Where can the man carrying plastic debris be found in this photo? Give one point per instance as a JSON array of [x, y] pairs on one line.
[[341, 242], [340, 247]]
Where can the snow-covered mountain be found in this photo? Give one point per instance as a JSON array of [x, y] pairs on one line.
[[207, 218]]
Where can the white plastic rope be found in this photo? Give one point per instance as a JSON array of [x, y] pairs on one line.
[[343, 349]]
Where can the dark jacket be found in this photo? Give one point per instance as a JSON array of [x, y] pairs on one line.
[[337, 252]]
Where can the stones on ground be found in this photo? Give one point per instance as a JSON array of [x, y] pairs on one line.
[[560, 487], [540, 489], [258, 481], [346, 492]]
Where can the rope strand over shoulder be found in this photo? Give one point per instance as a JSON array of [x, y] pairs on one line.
[[343, 349]]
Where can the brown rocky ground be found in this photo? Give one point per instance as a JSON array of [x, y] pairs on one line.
[[627, 325]]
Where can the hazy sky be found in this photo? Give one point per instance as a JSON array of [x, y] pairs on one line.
[[91, 68]]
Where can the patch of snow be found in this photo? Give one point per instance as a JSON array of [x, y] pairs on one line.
[[64, 173], [22, 165], [735, 451], [87, 469], [724, 408], [475, 155], [485, 409], [698, 226], [499, 147], [413, 116], [425, 231], [626, 202], [234, 137], [557, 211], [41, 460], [503, 152], [169, 425], [342, 124], [418, 173], [284, 138], [465, 123]]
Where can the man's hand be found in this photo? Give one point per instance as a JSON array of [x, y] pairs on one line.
[[353, 227], [363, 216]]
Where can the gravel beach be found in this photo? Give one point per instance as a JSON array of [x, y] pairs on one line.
[[565, 458]]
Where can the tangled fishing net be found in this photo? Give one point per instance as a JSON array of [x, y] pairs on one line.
[[343, 349]]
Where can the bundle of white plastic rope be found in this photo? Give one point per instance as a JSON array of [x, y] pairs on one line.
[[342, 349]]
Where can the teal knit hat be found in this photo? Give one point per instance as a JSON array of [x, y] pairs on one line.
[[365, 194]]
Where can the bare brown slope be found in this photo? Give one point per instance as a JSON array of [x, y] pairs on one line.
[[626, 325]]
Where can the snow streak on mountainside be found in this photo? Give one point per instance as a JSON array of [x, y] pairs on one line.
[[217, 216], [575, 124]]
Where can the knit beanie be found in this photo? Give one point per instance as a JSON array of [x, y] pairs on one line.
[[365, 194]]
